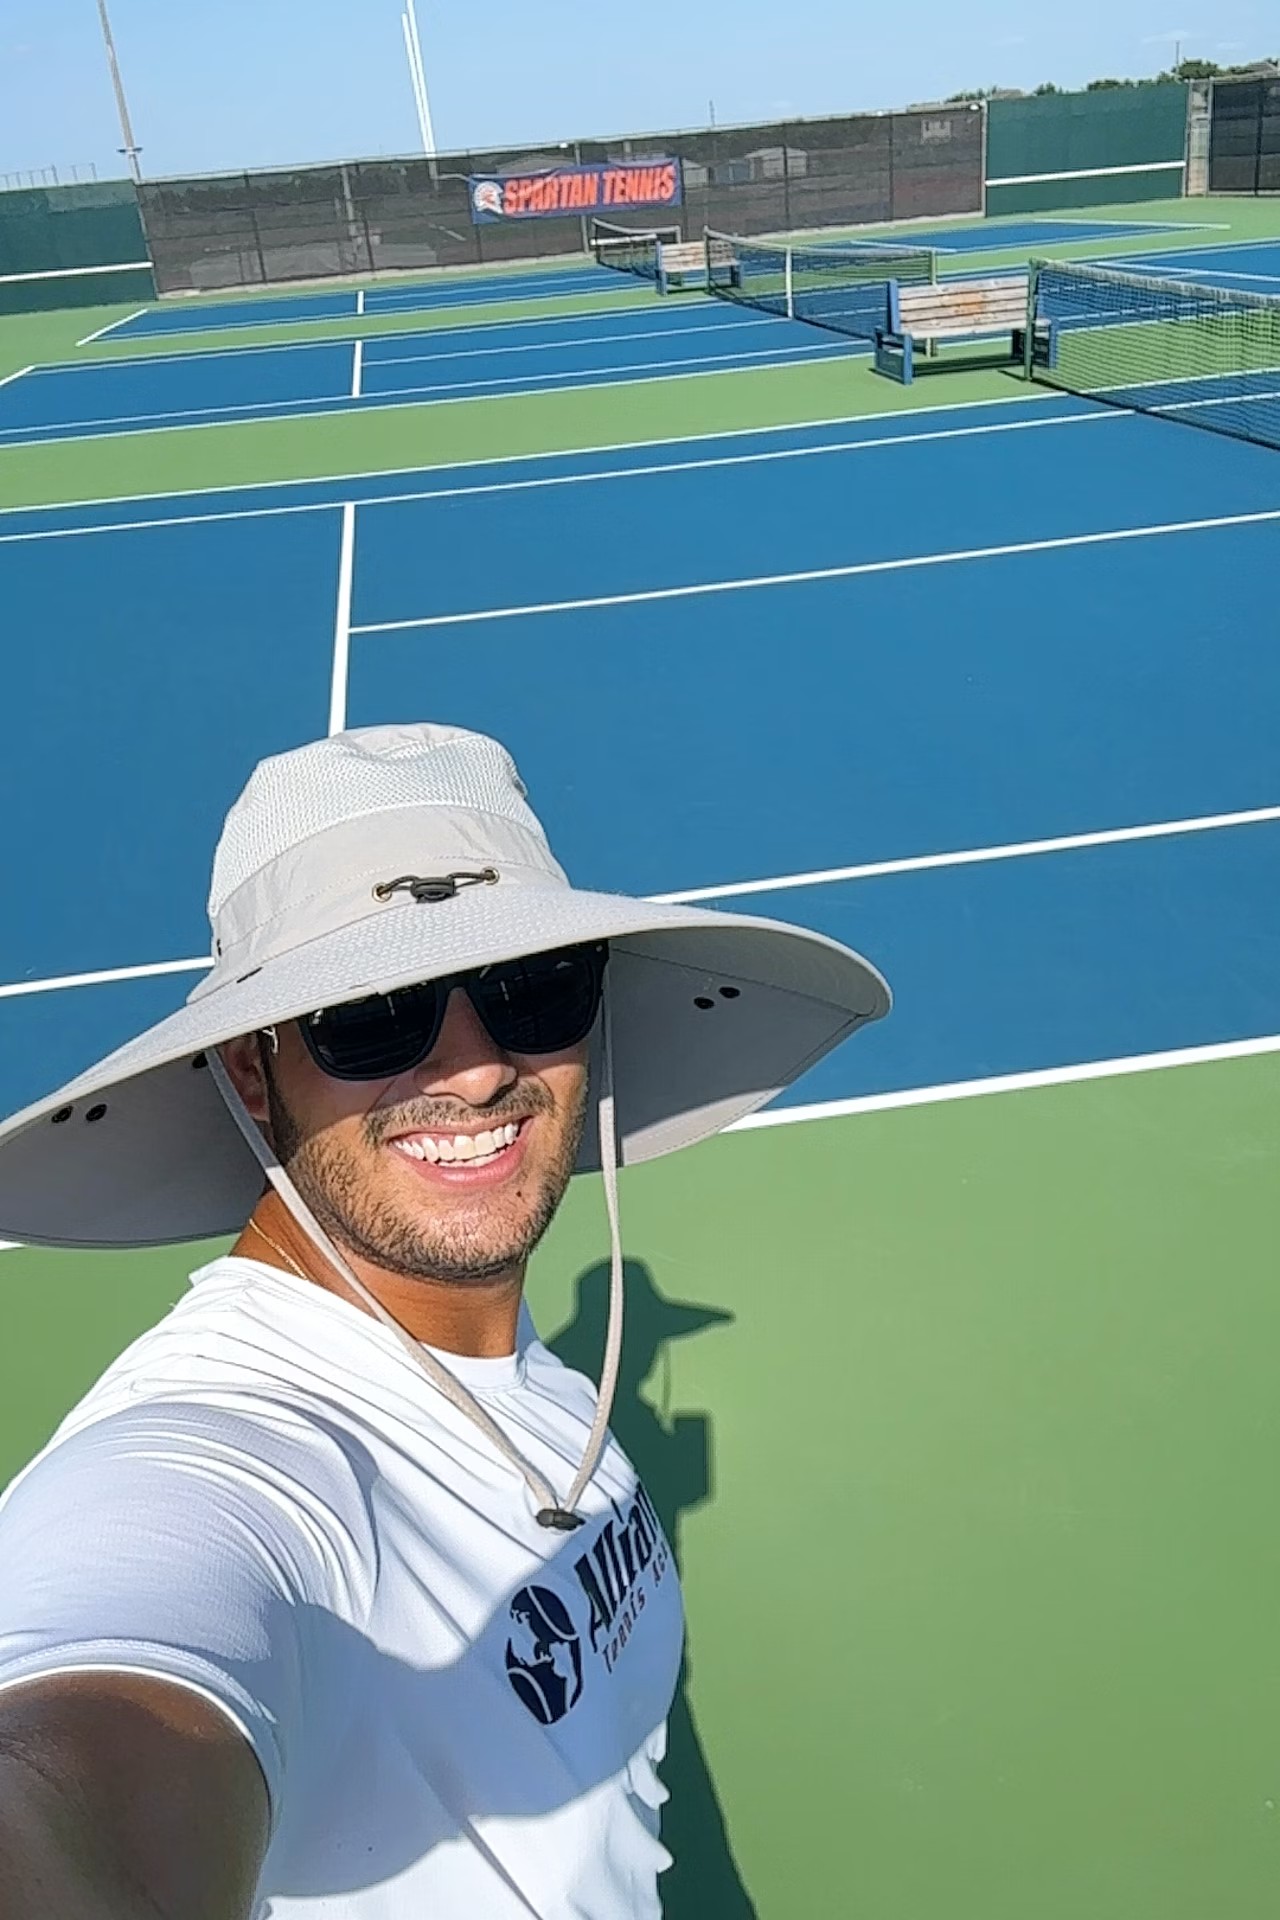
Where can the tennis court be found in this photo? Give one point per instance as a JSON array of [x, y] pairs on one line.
[[209, 389], [451, 290], [457, 289], [972, 1485]]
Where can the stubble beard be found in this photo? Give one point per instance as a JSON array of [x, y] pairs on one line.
[[474, 1244]]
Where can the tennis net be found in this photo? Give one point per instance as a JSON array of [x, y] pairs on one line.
[[1200, 354], [630, 249], [843, 288]]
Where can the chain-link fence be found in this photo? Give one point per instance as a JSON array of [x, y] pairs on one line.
[[1244, 137], [247, 229]]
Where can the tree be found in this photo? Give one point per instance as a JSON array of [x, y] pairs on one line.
[[1193, 70]]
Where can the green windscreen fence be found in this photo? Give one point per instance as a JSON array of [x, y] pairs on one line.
[[376, 216], [73, 246], [1093, 149]]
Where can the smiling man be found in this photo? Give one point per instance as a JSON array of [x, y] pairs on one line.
[[334, 1598]]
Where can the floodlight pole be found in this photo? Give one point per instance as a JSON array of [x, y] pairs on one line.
[[413, 46], [131, 149]]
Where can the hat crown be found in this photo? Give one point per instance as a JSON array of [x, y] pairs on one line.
[[293, 797]]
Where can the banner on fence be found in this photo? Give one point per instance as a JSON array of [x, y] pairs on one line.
[[567, 190]]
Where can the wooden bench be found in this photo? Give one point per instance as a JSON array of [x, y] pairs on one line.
[[951, 310], [681, 261]]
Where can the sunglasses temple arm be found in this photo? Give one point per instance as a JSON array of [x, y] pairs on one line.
[[292, 1200]]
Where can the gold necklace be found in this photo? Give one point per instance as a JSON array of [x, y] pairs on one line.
[[287, 1258]]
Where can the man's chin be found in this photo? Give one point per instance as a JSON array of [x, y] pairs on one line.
[[470, 1253]]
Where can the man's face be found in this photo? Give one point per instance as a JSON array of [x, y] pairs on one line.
[[449, 1172]]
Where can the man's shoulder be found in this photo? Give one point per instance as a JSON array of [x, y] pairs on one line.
[[212, 1386]]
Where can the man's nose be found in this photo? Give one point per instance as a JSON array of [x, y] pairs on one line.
[[466, 1061]]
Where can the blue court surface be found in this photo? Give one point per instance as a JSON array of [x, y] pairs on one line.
[[325, 376], [1247, 266], [988, 691], [447, 290], [1028, 235]]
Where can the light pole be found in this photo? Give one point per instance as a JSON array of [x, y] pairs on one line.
[[417, 74], [131, 149]]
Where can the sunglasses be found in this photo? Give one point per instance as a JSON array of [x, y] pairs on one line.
[[545, 1003]]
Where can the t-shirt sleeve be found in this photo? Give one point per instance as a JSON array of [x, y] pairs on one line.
[[203, 1546]]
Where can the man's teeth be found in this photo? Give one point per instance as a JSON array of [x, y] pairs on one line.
[[446, 1149]]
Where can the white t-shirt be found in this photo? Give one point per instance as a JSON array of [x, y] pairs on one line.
[[458, 1713]]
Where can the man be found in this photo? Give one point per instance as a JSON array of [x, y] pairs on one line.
[[334, 1596]]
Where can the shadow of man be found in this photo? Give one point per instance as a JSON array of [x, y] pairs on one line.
[[673, 1458]]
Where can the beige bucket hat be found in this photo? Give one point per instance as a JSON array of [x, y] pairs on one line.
[[712, 1013], [363, 864]]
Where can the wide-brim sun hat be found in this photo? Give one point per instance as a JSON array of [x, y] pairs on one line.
[[712, 1014], [369, 862]]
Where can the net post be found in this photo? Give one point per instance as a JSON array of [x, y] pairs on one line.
[[1029, 336], [706, 248], [790, 282]]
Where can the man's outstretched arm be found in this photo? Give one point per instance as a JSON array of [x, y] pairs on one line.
[[125, 1798]]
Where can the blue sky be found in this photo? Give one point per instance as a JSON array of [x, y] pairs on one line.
[[234, 83]]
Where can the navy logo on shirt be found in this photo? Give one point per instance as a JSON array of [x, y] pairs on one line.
[[545, 1668], [627, 1560]]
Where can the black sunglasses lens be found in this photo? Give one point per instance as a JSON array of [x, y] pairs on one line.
[[375, 1039], [543, 1004]]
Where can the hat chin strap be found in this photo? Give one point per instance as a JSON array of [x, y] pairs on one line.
[[550, 1511]]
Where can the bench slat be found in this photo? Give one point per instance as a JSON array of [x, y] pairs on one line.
[[688, 254]]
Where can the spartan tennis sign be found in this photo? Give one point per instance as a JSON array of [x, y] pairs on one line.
[[559, 191]]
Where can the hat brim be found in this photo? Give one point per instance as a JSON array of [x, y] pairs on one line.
[[165, 1162]]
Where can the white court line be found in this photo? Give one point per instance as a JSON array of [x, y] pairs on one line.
[[1175, 407], [330, 407], [357, 369], [537, 482], [1193, 380], [102, 332], [1067, 843], [1060, 543], [21, 374], [16, 989], [550, 346], [608, 295], [359, 303], [130, 362], [1132, 226], [829, 349], [1036, 397], [1012, 1082], [974, 856], [342, 621], [1083, 1071], [914, 864], [1212, 273], [1222, 246], [579, 317], [1086, 173]]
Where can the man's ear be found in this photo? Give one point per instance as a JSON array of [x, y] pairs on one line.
[[247, 1072]]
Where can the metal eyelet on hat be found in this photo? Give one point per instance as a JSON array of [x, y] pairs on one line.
[[429, 888]]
